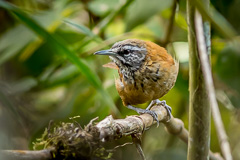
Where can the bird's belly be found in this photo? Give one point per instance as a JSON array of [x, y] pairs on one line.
[[140, 93], [133, 98]]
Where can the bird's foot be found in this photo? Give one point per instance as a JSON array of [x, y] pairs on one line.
[[163, 102], [143, 111]]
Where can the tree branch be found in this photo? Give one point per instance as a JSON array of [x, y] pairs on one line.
[[25, 154], [222, 136], [70, 141], [199, 109]]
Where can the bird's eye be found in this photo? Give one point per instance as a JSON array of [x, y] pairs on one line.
[[126, 51]]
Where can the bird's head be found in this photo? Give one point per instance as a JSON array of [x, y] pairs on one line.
[[129, 53]]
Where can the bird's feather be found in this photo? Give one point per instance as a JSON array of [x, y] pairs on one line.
[[111, 65]]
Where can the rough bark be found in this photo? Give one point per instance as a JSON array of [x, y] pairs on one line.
[[199, 109]]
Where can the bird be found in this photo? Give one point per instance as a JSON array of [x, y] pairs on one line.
[[146, 73]]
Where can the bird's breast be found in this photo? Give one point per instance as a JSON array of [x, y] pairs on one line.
[[150, 82]]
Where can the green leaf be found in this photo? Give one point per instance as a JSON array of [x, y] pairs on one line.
[[64, 74], [59, 46], [84, 30], [27, 42], [10, 45]]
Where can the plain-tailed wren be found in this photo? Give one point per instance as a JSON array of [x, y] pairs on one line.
[[147, 72]]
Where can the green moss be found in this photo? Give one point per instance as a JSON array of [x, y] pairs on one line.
[[70, 141]]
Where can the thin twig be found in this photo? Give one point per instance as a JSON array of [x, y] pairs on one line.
[[123, 145], [170, 25], [137, 141], [25, 154], [222, 136]]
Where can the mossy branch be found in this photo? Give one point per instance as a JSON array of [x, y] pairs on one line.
[[71, 141]]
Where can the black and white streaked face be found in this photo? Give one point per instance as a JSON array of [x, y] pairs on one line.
[[126, 53]]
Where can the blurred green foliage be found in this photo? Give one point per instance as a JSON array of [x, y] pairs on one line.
[[48, 70]]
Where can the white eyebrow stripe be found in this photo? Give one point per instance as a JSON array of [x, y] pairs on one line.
[[135, 48]]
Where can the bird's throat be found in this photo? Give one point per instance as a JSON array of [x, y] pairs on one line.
[[126, 72]]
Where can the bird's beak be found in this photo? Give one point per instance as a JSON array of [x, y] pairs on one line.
[[108, 52]]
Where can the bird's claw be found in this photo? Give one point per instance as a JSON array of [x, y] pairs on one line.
[[153, 114], [168, 108], [143, 111]]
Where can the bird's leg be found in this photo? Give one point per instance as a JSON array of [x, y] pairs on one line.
[[142, 111], [151, 104], [157, 101]]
